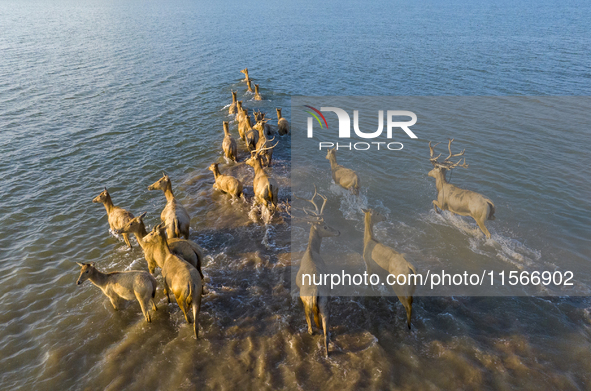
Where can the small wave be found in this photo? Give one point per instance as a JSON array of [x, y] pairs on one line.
[[507, 249]]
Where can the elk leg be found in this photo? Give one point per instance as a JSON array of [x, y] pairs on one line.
[[126, 238], [153, 305], [181, 304], [165, 290], [307, 310], [436, 205], [324, 313], [114, 302], [483, 228], [143, 306]]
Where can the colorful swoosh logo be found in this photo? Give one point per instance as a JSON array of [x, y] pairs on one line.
[[316, 116]]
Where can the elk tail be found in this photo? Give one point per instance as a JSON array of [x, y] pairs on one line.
[[491, 210]]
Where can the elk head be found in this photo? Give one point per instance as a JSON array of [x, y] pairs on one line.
[[374, 216], [86, 272], [446, 164], [101, 198], [257, 154], [133, 225], [161, 184], [316, 217]]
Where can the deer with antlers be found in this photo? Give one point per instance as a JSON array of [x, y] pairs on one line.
[[459, 201], [315, 297], [264, 144], [265, 188], [249, 85]]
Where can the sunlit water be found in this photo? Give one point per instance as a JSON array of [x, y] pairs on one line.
[[98, 94]]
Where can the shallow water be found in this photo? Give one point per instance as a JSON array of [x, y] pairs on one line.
[[98, 93]]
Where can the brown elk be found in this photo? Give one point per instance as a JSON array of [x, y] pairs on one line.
[[226, 183], [261, 123], [265, 188], [232, 109], [264, 144], [249, 86], [239, 111], [245, 71], [178, 276], [229, 144], [459, 201], [342, 176], [257, 95], [380, 258], [116, 216], [244, 124], [127, 285], [282, 124], [315, 297], [186, 249], [251, 135], [174, 215]]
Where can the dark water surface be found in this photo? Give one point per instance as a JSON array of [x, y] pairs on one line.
[[99, 93]]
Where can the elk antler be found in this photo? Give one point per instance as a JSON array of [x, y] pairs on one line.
[[446, 163], [257, 151], [316, 213], [449, 148], [432, 152]]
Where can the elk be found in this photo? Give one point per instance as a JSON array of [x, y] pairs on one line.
[[315, 297], [186, 249], [342, 176], [245, 71], [257, 95], [244, 124], [264, 144], [226, 183], [116, 216], [282, 124], [459, 201], [251, 135], [379, 258], [127, 285], [232, 109], [249, 86], [259, 117], [174, 215], [178, 276], [229, 144], [239, 111], [265, 188]]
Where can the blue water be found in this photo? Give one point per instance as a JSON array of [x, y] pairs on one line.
[[99, 93]]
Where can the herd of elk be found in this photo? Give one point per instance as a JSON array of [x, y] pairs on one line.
[[180, 260]]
